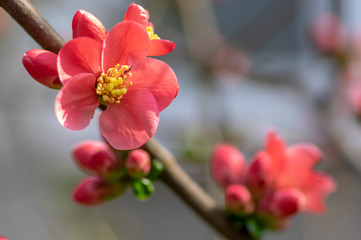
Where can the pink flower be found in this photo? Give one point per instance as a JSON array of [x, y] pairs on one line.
[[117, 76], [239, 199], [227, 165], [329, 33], [3, 238], [138, 163], [41, 65], [292, 167], [97, 158], [95, 190], [137, 13]]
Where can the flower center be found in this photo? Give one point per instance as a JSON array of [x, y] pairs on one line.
[[112, 85], [151, 33]]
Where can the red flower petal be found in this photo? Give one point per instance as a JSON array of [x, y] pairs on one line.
[[126, 43], [276, 149], [132, 122], [76, 102], [137, 13], [86, 24], [80, 55], [316, 187], [157, 77], [41, 65], [160, 47]]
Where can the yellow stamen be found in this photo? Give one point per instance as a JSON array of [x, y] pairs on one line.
[[151, 33], [112, 85]]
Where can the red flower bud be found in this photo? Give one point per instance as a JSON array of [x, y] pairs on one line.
[[97, 158], [41, 65], [95, 190], [227, 165], [287, 202], [86, 24], [239, 199], [259, 177], [138, 163]]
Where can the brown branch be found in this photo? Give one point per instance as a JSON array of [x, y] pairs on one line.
[[191, 193], [26, 15], [34, 24]]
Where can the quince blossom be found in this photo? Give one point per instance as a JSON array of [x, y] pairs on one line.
[[278, 183]]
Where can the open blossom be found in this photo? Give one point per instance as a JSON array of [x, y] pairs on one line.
[[292, 167], [117, 75], [279, 182]]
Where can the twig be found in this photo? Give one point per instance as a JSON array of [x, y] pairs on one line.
[[26, 15], [34, 24], [190, 192]]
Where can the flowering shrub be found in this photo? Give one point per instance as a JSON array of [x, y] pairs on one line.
[[278, 183]]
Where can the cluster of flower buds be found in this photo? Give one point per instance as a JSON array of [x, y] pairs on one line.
[[112, 172], [278, 183]]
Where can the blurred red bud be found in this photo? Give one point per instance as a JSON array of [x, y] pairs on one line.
[[227, 165], [95, 190], [287, 202], [138, 163], [239, 199], [97, 158]]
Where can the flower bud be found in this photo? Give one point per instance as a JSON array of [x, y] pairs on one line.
[[86, 24], [329, 33], [138, 163], [286, 202], [3, 238], [95, 190], [97, 158], [259, 176], [239, 199], [41, 65], [137, 14], [227, 165]]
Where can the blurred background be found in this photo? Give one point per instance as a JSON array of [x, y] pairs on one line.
[[243, 66]]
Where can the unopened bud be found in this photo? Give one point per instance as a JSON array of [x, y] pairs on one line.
[[86, 24], [41, 65], [287, 202], [138, 163], [95, 190], [259, 177], [239, 199], [227, 165], [97, 158]]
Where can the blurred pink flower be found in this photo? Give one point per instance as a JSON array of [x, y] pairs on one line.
[[329, 33], [227, 165], [292, 167], [286, 202], [116, 75], [95, 190], [97, 158], [137, 13], [138, 163]]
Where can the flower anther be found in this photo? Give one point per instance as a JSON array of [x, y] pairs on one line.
[[112, 85], [151, 33]]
